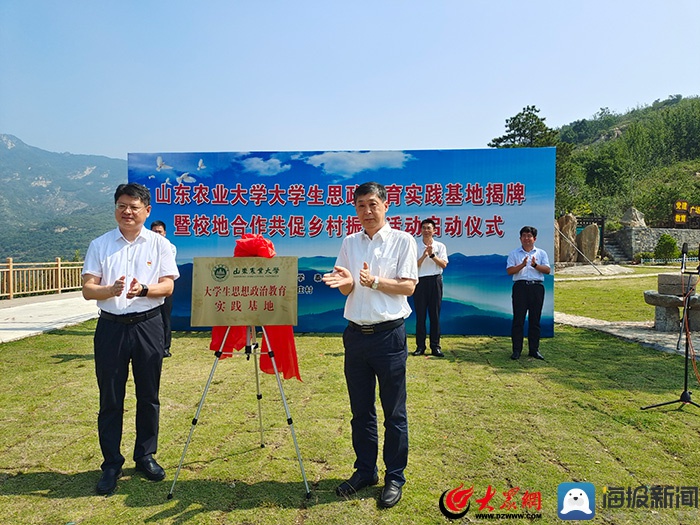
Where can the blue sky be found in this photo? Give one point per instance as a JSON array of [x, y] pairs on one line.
[[111, 78]]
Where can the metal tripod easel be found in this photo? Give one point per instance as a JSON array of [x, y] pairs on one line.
[[685, 397], [250, 350]]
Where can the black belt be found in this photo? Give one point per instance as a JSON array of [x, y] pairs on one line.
[[521, 281], [369, 329], [131, 318]]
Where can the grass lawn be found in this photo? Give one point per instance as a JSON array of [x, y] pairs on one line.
[[476, 418], [608, 299]]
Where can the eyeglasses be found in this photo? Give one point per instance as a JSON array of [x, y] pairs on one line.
[[121, 207]]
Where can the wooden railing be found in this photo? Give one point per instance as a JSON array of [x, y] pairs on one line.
[[18, 279]]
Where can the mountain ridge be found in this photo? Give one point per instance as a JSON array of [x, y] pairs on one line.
[[53, 204]]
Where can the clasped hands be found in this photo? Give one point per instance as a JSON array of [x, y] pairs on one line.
[[341, 276], [120, 284], [533, 261]]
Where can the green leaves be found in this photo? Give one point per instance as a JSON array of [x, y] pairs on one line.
[[526, 130], [646, 158]]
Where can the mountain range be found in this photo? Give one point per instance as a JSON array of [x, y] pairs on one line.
[[54, 204]]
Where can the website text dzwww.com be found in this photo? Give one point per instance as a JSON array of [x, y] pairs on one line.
[[499, 516]]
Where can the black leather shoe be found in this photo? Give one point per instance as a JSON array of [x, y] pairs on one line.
[[167, 353], [420, 351], [515, 355], [108, 481], [391, 494], [355, 483], [536, 355], [151, 468], [437, 353]]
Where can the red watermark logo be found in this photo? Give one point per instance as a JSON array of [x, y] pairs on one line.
[[514, 503], [455, 503]]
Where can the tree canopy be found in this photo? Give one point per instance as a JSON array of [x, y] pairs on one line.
[[526, 130]]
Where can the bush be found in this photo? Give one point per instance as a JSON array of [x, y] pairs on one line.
[[642, 255], [612, 226], [666, 248]]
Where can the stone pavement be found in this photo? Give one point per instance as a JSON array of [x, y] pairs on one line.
[[28, 316], [638, 332]]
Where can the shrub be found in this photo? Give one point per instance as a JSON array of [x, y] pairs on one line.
[[642, 255], [612, 226], [666, 248]]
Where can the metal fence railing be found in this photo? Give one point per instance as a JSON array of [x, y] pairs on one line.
[[21, 279]]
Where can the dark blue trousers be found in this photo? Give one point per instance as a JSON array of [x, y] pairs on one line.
[[116, 345], [427, 299], [527, 301], [379, 357], [166, 311]]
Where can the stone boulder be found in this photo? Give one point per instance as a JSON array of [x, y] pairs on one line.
[[567, 238], [633, 218], [675, 283], [588, 242]]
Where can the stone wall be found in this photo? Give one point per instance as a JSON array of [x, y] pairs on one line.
[[634, 240]]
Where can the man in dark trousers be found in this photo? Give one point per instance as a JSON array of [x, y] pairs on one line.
[[528, 265], [167, 309], [427, 298], [376, 269], [129, 271]]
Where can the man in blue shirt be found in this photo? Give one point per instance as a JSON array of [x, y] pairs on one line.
[[528, 265]]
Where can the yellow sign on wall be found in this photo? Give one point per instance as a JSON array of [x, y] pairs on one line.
[[244, 291]]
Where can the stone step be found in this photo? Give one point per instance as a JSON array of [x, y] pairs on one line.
[[614, 251]]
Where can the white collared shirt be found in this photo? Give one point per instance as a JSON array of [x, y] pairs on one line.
[[390, 254], [429, 266], [528, 273], [148, 258]]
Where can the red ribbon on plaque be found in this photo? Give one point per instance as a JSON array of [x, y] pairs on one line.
[[280, 338]]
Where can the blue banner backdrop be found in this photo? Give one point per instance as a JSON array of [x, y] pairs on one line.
[[302, 202]]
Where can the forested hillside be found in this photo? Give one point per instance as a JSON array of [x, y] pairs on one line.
[[648, 158], [53, 204]]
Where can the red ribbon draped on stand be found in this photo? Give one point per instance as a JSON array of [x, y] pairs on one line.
[[281, 338]]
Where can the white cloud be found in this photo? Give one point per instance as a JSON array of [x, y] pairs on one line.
[[264, 168], [349, 163]]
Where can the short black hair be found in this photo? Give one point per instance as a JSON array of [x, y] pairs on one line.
[[159, 223], [428, 221], [370, 188], [133, 189], [529, 229]]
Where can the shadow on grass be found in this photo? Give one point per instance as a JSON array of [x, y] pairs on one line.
[[190, 497], [76, 330], [67, 358]]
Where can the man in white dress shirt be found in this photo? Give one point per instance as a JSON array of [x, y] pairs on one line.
[[167, 308], [377, 271], [427, 298], [129, 271]]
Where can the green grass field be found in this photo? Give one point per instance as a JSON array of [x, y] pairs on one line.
[[476, 418]]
